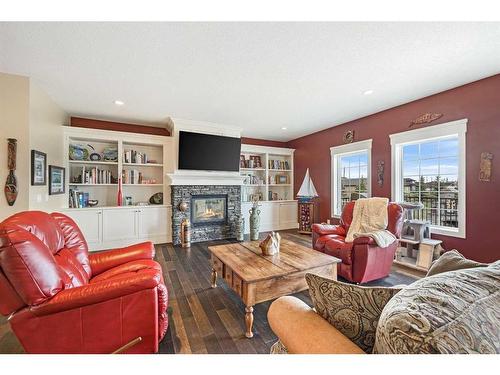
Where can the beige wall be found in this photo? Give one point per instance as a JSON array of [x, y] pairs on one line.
[[14, 123], [46, 134], [29, 115]]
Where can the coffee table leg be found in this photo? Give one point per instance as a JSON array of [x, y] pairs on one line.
[[214, 278], [249, 321]]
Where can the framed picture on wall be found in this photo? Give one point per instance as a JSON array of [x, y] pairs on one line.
[[56, 180], [38, 168]]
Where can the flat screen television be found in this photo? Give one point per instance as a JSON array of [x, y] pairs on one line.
[[209, 152]]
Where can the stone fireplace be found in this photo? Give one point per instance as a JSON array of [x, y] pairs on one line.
[[212, 210]]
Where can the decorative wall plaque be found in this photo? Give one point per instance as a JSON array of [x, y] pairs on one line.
[[485, 166], [425, 118], [10, 188], [348, 136], [380, 172]]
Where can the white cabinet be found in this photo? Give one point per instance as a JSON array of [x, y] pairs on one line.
[[288, 215], [153, 222], [89, 222], [274, 215], [108, 228], [119, 224]]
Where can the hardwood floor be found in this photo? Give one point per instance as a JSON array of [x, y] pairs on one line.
[[202, 319]]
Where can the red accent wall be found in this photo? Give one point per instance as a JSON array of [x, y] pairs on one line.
[[479, 102], [263, 142], [117, 126]]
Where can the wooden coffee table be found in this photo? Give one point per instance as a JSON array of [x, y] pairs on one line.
[[257, 278]]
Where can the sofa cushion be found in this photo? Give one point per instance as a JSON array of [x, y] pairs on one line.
[[354, 310], [40, 224], [452, 261], [29, 266], [338, 248], [451, 312], [321, 241]]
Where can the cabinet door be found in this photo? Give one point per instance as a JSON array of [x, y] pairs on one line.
[[153, 222], [269, 216], [89, 222], [288, 215], [119, 224]]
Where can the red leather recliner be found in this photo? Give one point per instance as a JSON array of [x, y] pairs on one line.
[[362, 260], [61, 299]]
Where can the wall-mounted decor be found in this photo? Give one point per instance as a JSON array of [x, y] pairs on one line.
[[38, 168], [10, 189], [56, 180], [380, 172], [425, 118], [485, 166], [348, 136]]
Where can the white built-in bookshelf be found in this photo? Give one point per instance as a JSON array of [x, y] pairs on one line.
[[268, 173], [142, 162]]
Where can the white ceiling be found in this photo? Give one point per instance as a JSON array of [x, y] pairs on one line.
[[258, 76]]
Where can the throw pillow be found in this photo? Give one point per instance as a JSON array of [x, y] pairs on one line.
[[354, 310], [451, 261]]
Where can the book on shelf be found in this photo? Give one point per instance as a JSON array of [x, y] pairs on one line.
[[94, 175], [132, 176], [279, 164], [78, 199], [135, 157]]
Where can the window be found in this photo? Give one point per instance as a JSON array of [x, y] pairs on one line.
[[428, 166], [351, 171]]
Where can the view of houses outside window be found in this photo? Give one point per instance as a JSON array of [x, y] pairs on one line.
[[354, 177], [430, 175]]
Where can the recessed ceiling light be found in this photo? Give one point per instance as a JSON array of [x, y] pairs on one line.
[[119, 102], [283, 128], [368, 92]]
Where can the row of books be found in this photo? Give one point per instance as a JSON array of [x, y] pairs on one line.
[[78, 199], [132, 156], [279, 164], [132, 176], [94, 175]]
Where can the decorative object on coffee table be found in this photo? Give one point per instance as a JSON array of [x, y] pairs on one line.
[[10, 189], [485, 166], [426, 118], [271, 244], [254, 220], [380, 172], [38, 168], [308, 208], [348, 136], [257, 278], [56, 180]]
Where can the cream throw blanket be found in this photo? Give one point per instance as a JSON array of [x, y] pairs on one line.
[[370, 220]]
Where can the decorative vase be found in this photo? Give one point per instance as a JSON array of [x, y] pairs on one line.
[[254, 223], [119, 198], [10, 189]]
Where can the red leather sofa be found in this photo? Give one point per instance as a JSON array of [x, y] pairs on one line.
[[62, 299], [362, 260]]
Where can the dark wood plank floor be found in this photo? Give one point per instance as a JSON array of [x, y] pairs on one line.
[[202, 319]]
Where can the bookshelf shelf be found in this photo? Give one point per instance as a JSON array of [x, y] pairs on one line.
[[142, 185], [142, 165], [89, 162]]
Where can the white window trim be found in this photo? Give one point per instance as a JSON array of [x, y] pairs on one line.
[[398, 140], [343, 150]]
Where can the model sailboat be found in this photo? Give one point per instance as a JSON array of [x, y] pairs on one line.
[[307, 190]]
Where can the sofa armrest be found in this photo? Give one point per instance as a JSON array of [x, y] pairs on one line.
[[108, 259], [323, 229], [302, 331], [364, 241], [90, 294]]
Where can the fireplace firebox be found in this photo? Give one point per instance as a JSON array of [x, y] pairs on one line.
[[208, 209]]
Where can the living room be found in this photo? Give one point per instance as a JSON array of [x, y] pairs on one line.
[[249, 188]]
